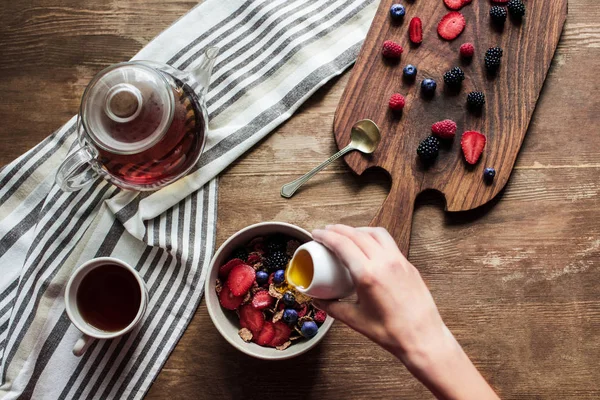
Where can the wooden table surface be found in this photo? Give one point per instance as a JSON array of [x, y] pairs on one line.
[[517, 281]]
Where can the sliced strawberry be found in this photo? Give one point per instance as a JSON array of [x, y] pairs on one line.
[[451, 25], [302, 310], [472, 144], [228, 300], [228, 266], [415, 30], [454, 4], [251, 318], [266, 335], [240, 279], [282, 334], [280, 306], [261, 300]]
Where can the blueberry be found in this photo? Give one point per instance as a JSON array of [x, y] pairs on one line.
[[279, 276], [309, 329], [261, 277], [290, 316], [428, 85], [410, 71], [489, 174], [397, 11], [289, 299]]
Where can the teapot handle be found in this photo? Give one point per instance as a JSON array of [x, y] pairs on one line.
[[76, 172]]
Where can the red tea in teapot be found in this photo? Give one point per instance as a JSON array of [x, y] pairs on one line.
[[170, 156]]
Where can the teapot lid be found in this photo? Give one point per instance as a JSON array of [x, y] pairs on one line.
[[127, 108]]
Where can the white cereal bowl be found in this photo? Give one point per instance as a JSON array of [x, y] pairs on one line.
[[226, 321]]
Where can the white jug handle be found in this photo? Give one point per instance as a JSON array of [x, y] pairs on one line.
[[76, 172], [82, 345]]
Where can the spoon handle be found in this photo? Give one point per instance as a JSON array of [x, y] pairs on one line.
[[289, 189]]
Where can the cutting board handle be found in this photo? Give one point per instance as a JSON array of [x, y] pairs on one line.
[[396, 213]]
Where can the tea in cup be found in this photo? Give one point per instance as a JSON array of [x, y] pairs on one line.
[[105, 298], [316, 272]]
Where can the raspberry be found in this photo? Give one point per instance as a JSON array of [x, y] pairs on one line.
[[320, 316], [467, 50], [445, 129], [391, 49], [397, 102]]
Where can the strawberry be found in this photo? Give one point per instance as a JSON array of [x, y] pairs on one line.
[[445, 129], [472, 144], [240, 279], [302, 310], [261, 300], [391, 49], [251, 318], [281, 306], [320, 316], [415, 30], [266, 335], [396, 102], [282, 334], [228, 266], [228, 300], [467, 50], [451, 25], [454, 4]]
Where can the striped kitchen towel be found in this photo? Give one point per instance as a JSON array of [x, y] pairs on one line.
[[274, 55]]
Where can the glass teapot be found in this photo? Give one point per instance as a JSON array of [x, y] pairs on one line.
[[141, 125]]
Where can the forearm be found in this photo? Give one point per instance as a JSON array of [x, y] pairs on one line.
[[444, 368]]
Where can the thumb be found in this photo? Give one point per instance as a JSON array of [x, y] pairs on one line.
[[344, 311]]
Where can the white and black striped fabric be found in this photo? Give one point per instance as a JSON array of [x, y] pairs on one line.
[[274, 55]]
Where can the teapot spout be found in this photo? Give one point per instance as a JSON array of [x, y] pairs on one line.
[[203, 71]]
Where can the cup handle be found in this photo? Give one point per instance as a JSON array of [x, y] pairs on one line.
[[76, 172], [82, 345]]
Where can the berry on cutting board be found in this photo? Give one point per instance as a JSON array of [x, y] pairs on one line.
[[451, 25], [279, 277], [516, 8], [475, 100], [454, 4], [428, 149], [472, 144], [397, 12], [467, 50], [391, 49], [445, 129], [498, 15], [309, 329], [428, 86], [493, 58], [410, 71], [415, 30], [397, 102], [454, 77], [489, 174]]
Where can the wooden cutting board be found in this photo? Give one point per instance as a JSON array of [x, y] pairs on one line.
[[511, 97]]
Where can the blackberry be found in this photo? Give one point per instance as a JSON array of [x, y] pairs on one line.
[[240, 253], [493, 58], [454, 77], [516, 8], [498, 14], [475, 100], [275, 244], [428, 149], [276, 261]]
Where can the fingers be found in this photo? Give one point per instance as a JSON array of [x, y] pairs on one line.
[[345, 312], [382, 236], [344, 249], [363, 240]]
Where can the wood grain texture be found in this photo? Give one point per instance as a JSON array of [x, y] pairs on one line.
[[516, 280], [511, 95]]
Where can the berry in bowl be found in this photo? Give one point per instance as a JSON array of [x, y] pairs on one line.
[[249, 300]]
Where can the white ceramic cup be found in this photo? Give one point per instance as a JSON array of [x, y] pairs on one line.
[[330, 280], [90, 332]]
